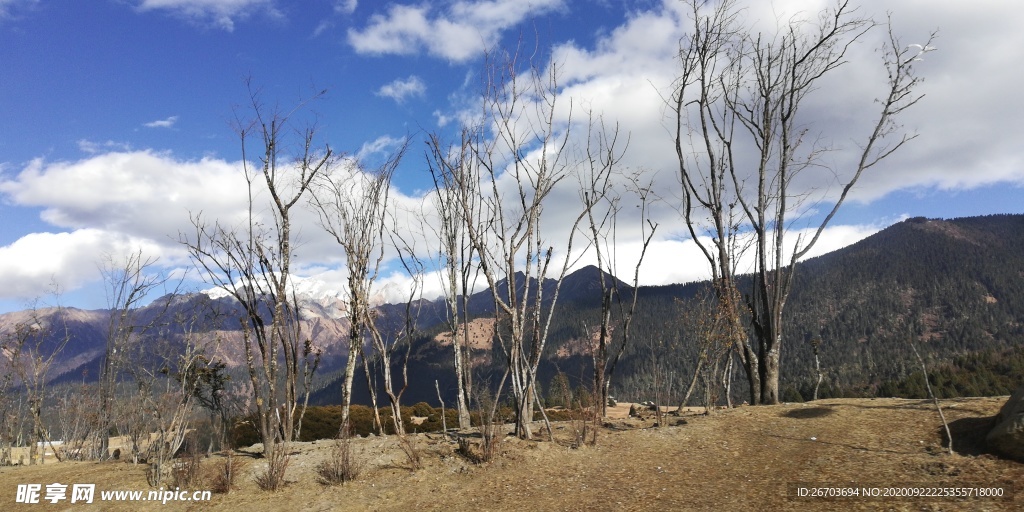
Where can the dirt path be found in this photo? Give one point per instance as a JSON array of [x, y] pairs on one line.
[[749, 458]]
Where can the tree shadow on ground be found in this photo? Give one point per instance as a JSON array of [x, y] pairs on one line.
[[809, 412]]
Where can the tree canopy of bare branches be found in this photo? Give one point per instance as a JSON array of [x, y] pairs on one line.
[[500, 178], [30, 349], [252, 262], [742, 140], [352, 203], [602, 199]]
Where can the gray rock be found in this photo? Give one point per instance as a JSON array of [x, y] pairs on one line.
[[1007, 437]]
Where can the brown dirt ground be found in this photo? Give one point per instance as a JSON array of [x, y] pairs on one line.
[[748, 458]]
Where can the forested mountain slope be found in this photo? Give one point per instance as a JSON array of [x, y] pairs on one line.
[[954, 287]]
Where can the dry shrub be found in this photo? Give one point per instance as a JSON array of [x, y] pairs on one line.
[[277, 463], [186, 471], [412, 452], [583, 423], [223, 479], [490, 429], [342, 465], [491, 437], [473, 452], [580, 411]]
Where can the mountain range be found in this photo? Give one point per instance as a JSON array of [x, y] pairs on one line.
[[954, 287]]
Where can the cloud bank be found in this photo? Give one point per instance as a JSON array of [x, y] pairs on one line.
[[218, 13], [462, 31], [116, 198]]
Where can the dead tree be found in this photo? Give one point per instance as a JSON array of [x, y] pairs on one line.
[[931, 394], [393, 344], [815, 346], [602, 203], [168, 373], [456, 253], [31, 348], [742, 140], [252, 262], [128, 282], [519, 153], [710, 320], [9, 418], [352, 203]]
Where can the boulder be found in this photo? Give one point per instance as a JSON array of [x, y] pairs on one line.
[[1007, 437]]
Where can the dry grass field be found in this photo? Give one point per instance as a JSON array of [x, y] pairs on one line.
[[748, 458]]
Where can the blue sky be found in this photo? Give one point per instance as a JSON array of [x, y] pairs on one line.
[[115, 115]]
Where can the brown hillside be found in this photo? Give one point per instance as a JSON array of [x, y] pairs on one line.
[[749, 458]]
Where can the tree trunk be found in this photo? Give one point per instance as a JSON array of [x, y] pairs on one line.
[[727, 380], [693, 385], [350, 372], [817, 370], [770, 376], [461, 400]]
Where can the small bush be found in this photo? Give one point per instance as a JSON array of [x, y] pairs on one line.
[[468, 450], [360, 420], [321, 423], [422, 410], [490, 428], [341, 465], [433, 422], [559, 415], [277, 463], [324, 422], [412, 452], [186, 471], [223, 480]]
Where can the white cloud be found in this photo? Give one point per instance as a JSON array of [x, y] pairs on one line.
[[963, 121], [9, 8], [322, 27], [378, 149], [141, 193], [162, 123], [92, 147], [346, 6], [400, 89], [114, 203], [670, 260], [219, 13], [461, 32], [70, 259], [342, 8], [624, 77]]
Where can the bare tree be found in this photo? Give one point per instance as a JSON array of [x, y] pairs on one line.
[[703, 136], [76, 408], [389, 342], [602, 204], [168, 374], [931, 394], [456, 255], [519, 153], [9, 410], [252, 262], [31, 349], [815, 347], [741, 142], [710, 319], [128, 282], [352, 204]]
